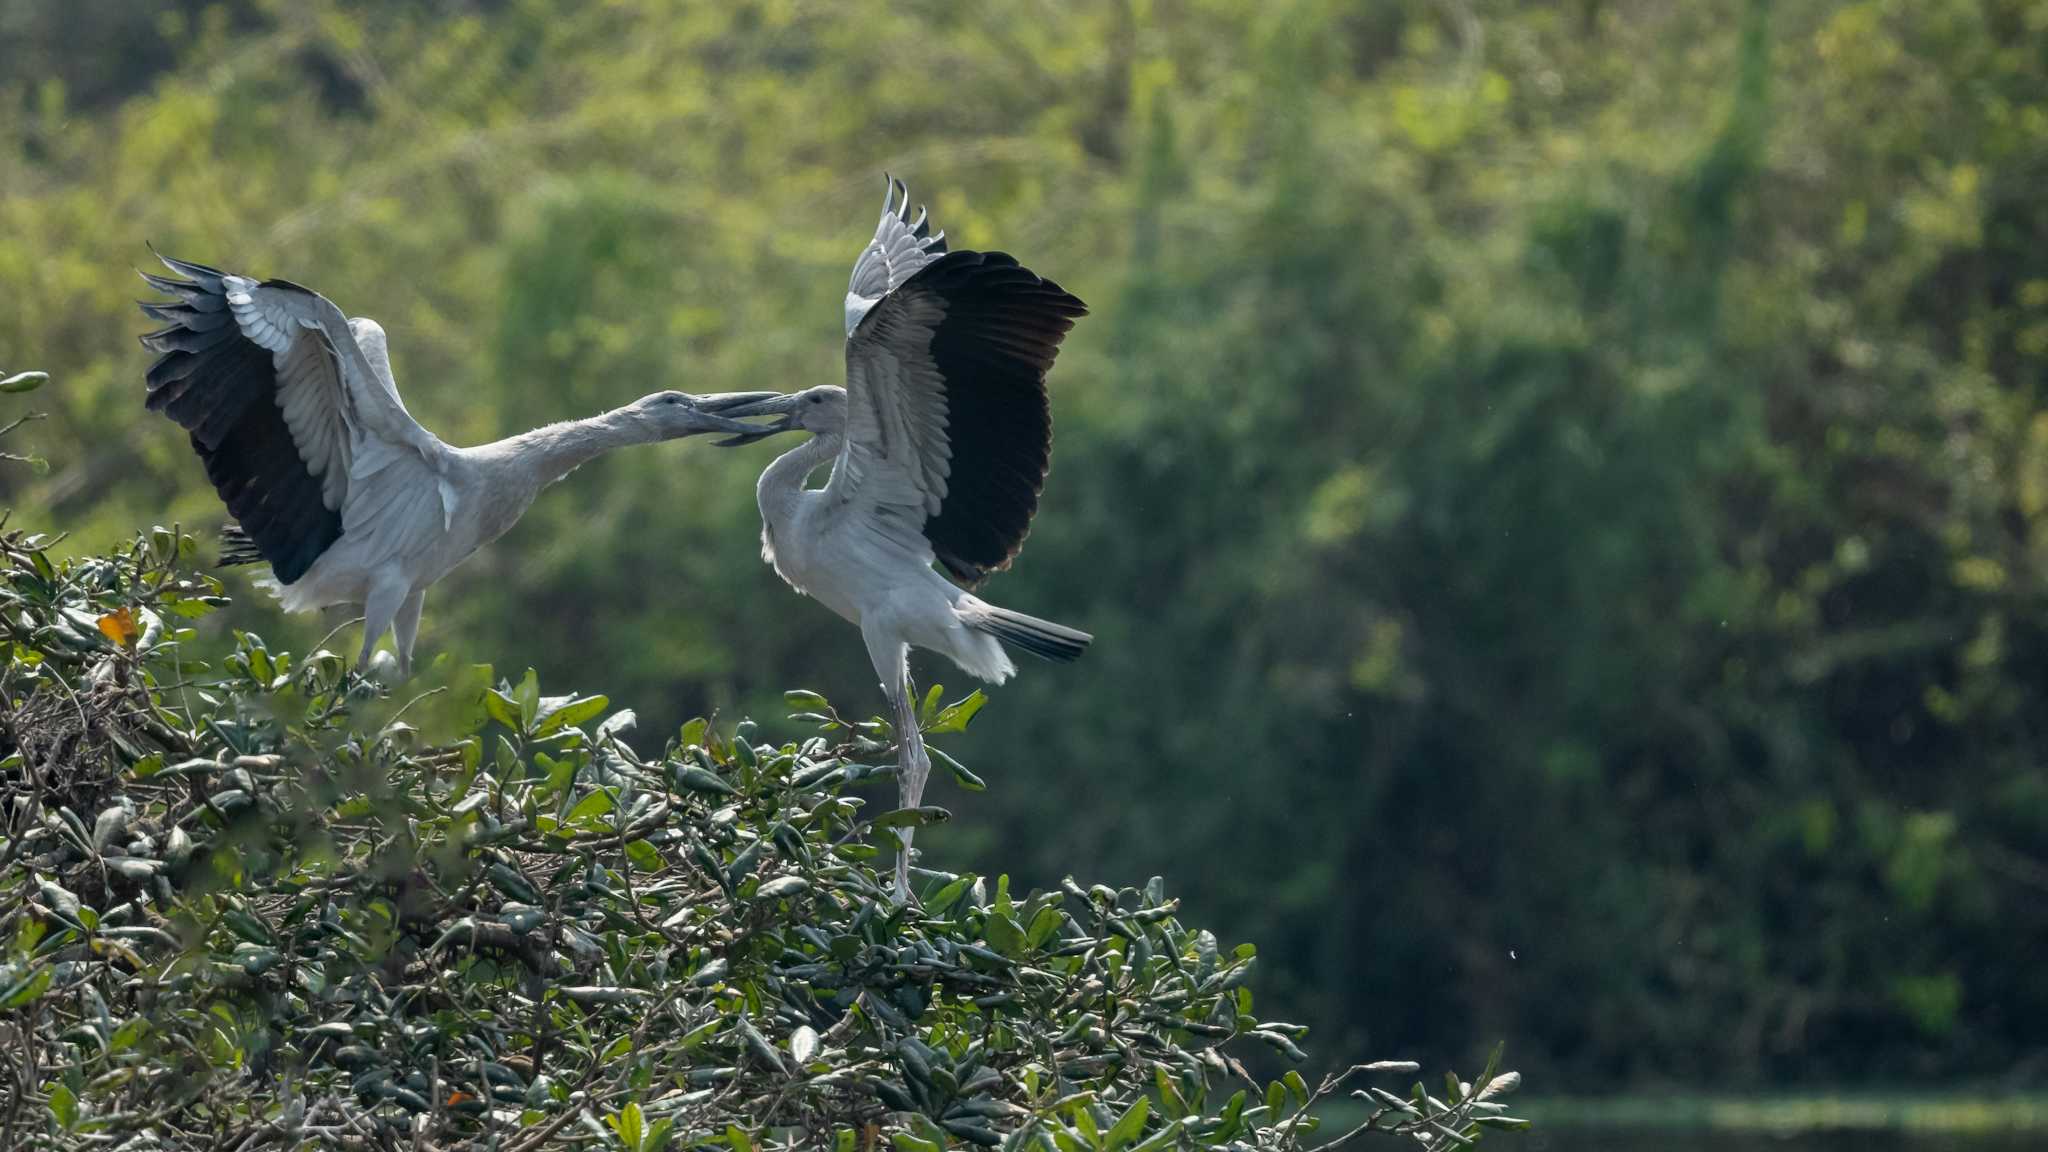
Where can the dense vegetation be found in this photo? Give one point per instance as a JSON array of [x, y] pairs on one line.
[[261, 902], [1559, 484]]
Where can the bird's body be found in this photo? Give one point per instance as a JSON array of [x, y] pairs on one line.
[[869, 580], [501, 481], [294, 411], [938, 445]]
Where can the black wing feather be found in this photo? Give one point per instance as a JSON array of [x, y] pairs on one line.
[[237, 548], [1002, 329], [221, 387]]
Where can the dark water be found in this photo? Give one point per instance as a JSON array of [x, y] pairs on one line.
[[1663, 1140]]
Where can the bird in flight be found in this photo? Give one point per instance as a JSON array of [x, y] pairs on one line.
[[939, 445], [292, 408]]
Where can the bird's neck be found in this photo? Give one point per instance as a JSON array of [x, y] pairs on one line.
[[782, 482], [549, 453]]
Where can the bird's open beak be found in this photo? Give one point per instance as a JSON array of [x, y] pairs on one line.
[[714, 413], [757, 404], [724, 403]]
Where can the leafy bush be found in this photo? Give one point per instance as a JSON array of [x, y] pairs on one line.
[[261, 901]]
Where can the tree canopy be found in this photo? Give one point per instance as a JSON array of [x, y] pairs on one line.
[[263, 902]]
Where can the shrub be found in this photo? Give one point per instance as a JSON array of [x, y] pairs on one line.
[[261, 901]]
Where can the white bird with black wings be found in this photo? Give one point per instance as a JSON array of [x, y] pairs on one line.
[[293, 410], [939, 445]]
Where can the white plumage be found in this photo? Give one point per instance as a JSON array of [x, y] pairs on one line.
[[939, 445], [293, 409]]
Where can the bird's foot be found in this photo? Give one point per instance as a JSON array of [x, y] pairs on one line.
[[375, 676]]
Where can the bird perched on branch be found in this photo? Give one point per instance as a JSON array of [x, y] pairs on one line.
[[292, 408], [939, 444]]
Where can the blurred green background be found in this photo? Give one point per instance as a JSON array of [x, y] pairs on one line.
[[1561, 488]]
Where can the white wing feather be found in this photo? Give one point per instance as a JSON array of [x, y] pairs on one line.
[[892, 469], [900, 247], [375, 463]]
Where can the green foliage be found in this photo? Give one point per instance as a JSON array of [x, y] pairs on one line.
[[1579, 461], [261, 900]]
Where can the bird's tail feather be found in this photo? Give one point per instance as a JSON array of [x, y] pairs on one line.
[[1041, 638], [237, 548]]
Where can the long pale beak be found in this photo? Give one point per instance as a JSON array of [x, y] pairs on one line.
[[760, 404], [712, 413], [723, 403]]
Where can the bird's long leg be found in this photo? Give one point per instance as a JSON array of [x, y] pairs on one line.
[[891, 657], [380, 608], [913, 766], [406, 628]]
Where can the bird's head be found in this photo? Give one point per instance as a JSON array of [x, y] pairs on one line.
[[677, 414], [820, 411]]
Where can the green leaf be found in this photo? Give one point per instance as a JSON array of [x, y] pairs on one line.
[[573, 714], [644, 856], [911, 817], [64, 1106], [1085, 1121], [954, 717], [782, 886], [905, 1142], [128, 1034], [590, 807], [1284, 1045], [1128, 1127], [501, 708], [961, 775], [626, 1123], [1169, 1093], [527, 696], [26, 990], [60, 899], [704, 780], [658, 1136], [1043, 926], [1162, 1139], [1296, 1086], [804, 701], [23, 382], [246, 926], [737, 1139], [1004, 934], [28, 931], [945, 897], [693, 732], [561, 773]]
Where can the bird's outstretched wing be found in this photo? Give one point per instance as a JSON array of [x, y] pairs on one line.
[[901, 246], [292, 409], [949, 432]]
